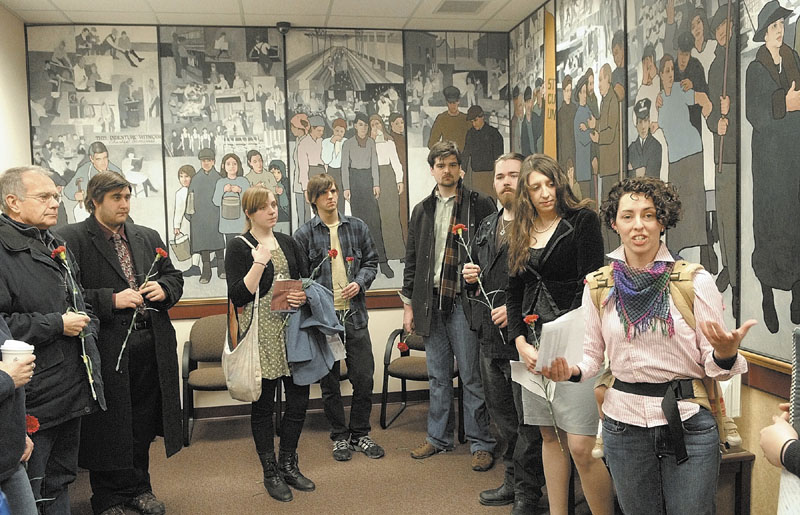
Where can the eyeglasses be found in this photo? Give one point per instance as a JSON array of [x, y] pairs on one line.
[[45, 197]]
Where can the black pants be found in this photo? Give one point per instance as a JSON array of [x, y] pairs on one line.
[[54, 465], [523, 456], [360, 369], [112, 487], [261, 421]]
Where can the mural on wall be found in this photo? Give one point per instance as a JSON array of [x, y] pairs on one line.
[[346, 104], [527, 74], [457, 89], [223, 107], [770, 158], [682, 78], [94, 103], [590, 66]]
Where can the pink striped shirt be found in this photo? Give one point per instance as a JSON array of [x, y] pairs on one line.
[[653, 357]]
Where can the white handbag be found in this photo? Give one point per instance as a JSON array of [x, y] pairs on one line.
[[241, 362]]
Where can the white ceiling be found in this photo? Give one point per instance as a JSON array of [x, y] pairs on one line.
[[490, 15]]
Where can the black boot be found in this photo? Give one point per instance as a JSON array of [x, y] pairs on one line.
[[291, 474], [273, 479], [500, 496]]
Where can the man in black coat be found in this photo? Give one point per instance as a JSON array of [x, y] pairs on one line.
[[644, 154], [44, 307], [141, 376], [524, 476], [484, 144]]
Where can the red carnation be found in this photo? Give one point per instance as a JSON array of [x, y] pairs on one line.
[[402, 346], [31, 422], [458, 228], [161, 252], [531, 319], [350, 259], [60, 251], [333, 253]]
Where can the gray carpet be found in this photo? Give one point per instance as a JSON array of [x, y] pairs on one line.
[[220, 474]]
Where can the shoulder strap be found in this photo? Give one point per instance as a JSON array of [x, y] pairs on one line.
[[681, 287], [241, 237], [600, 283]]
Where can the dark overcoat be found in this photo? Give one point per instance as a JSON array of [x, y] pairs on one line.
[[106, 437]]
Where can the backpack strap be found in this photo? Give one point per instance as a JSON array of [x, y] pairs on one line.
[[600, 283], [681, 288]]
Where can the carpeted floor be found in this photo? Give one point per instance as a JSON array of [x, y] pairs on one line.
[[220, 474]]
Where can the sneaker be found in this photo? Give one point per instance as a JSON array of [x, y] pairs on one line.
[[482, 461], [366, 445], [599, 451], [733, 439], [147, 504], [425, 450], [342, 450]]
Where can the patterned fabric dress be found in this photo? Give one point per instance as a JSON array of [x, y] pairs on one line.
[[272, 333]]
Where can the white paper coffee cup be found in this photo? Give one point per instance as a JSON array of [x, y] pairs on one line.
[[12, 350]]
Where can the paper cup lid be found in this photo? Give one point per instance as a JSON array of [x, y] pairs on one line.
[[12, 345]]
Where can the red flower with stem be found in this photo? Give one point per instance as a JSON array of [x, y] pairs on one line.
[[160, 254], [402, 346], [59, 254], [31, 424], [332, 253], [548, 387], [458, 230]]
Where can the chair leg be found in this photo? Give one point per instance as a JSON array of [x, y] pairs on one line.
[[384, 397], [461, 436], [188, 413], [403, 404]]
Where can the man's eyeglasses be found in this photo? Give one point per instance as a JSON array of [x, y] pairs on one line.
[[44, 197]]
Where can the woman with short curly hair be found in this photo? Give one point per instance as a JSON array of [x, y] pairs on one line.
[[662, 451]]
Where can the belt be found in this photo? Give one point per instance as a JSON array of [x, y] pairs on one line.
[[141, 324], [672, 392]]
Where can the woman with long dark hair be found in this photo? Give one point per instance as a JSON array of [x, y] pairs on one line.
[[555, 241], [253, 262]]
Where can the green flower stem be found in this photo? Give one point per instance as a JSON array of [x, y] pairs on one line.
[[547, 383], [135, 312], [488, 303], [87, 361]]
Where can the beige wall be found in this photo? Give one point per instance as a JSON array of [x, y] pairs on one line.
[[15, 145]]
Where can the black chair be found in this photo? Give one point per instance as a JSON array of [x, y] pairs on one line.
[[205, 345], [408, 367]]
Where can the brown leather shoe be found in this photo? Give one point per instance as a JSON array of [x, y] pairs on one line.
[[482, 461], [147, 504], [426, 450]]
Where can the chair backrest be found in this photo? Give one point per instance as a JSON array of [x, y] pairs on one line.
[[208, 338]]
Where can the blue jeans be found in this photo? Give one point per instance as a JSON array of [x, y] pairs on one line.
[[647, 477], [17, 490], [54, 465], [450, 336]]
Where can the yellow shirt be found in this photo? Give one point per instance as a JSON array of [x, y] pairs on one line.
[[339, 277]]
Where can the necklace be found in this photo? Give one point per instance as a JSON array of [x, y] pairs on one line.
[[504, 226], [556, 219]]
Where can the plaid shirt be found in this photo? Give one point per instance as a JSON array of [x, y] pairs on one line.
[[355, 240]]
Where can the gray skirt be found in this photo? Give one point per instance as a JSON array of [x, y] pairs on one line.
[[687, 176], [574, 408]]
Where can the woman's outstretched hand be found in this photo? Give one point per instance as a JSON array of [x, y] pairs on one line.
[[559, 370], [725, 343]]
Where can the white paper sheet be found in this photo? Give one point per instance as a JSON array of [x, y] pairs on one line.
[[789, 494], [337, 347], [534, 383], [562, 338]]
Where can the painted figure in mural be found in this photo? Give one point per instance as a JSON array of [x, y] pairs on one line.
[[203, 216], [177, 46], [180, 225], [76, 187], [649, 89], [261, 53], [278, 170], [83, 42], [332, 154], [619, 77], [309, 154], [299, 126], [530, 125], [565, 122], [132, 170], [228, 198], [397, 132], [125, 46], [691, 75], [584, 175], [685, 150], [361, 183], [127, 105], [723, 88], [644, 154], [483, 146], [450, 125], [392, 185], [257, 174], [516, 120], [772, 90]]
